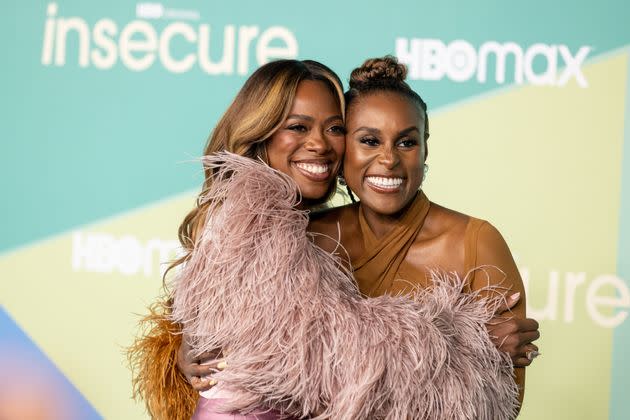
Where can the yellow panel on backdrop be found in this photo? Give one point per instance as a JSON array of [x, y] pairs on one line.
[[78, 296], [544, 165]]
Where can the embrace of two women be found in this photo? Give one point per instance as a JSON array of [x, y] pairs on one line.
[[391, 307]]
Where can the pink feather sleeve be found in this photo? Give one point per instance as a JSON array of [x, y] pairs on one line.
[[303, 340]]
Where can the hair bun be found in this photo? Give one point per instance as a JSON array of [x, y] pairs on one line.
[[378, 70]]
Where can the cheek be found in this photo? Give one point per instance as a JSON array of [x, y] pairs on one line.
[[357, 157], [351, 153], [340, 148], [417, 178], [352, 167], [278, 151], [348, 159]]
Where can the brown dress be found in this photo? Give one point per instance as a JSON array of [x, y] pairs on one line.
[[385, 266]]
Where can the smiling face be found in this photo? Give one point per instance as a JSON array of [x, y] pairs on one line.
[[310, 143], [385, 151]]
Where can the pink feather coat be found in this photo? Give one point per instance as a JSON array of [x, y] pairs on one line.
[[301, 337]]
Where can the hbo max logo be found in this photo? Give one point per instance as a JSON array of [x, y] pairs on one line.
[[432, 59]]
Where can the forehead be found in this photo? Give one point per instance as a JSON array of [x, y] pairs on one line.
[[384, 109], [314, 96]]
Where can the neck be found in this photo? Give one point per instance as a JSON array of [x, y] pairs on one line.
[[306, 204], [381, 224]]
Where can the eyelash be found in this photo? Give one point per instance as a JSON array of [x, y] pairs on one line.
[[336, 129], [412, 141], [297, 127], [373, 141], [369, 141]]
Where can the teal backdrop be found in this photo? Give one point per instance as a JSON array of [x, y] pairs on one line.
[[107, 105]]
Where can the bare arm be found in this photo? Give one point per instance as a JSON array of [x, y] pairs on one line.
[[512, 332]]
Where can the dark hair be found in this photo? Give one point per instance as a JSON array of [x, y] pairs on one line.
[[384, 74]]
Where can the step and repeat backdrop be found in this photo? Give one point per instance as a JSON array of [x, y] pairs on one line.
[[107, 105]]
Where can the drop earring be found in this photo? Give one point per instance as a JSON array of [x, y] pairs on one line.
[[425, 171]]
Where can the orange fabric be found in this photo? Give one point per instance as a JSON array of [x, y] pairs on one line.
[[384, 266], [377, 269], [153, 360]]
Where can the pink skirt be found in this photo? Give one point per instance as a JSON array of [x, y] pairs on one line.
[[207, 409]]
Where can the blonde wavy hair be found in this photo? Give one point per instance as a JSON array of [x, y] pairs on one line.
[[258, 110]]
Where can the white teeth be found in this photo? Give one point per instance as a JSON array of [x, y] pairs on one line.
[[314, 168], [383, 182]]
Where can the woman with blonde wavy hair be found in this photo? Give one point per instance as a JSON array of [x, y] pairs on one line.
[[258, 111], [302, 339]]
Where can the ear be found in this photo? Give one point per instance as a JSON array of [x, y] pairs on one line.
[[426, 127], [426, 146], [426, 136]]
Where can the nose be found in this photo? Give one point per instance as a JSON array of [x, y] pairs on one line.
[[388, 158], [317, 142]]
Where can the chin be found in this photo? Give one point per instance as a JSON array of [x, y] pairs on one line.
[[315, 194], [385, 209]]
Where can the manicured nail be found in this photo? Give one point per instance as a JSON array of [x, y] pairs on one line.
[[212, 382], [515, 296], [221, 365]]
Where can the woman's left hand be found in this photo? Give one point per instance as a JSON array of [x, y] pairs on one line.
[[198, 370], [514, 335]]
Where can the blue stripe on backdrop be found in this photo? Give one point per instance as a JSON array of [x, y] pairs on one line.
[[620, 379], [84, 143], [31, 386]]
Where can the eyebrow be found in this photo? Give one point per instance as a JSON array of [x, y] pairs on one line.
[[372, 130], [309, 118]]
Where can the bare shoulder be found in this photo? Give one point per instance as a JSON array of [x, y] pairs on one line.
[[444, 222], [491, 244], [440, 243], [333, 225], [454, 226]]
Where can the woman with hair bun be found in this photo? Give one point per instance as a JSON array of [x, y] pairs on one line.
[[302, 340], [394, 236]]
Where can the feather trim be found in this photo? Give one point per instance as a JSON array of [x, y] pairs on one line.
[[302, 339], [155, 377]]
